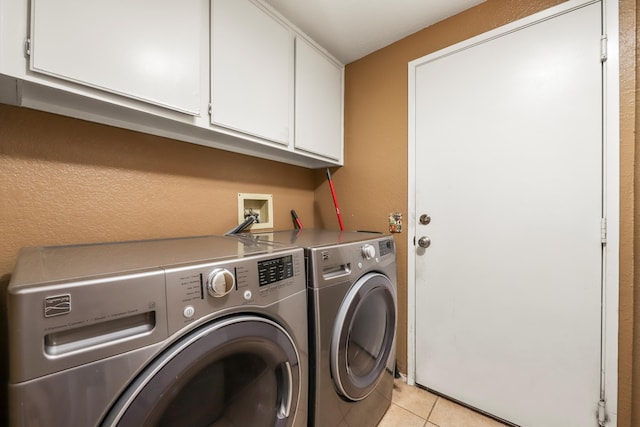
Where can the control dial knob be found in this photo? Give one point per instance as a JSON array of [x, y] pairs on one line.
[[368, 251], [220, 282]]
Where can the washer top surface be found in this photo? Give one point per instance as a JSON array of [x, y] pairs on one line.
[[51, 263], [313, 238]]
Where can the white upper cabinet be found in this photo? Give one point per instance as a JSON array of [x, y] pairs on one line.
[[148, 50], [158, 66], [318, 89], [251, 71]]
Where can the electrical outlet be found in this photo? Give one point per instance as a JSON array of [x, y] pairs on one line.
[[260, 206]]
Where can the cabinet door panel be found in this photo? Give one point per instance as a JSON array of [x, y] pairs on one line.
[[318, 103], [252, 71], [143, 49]]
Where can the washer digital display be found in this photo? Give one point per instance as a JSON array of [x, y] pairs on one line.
[[274, 270], [385, 246]]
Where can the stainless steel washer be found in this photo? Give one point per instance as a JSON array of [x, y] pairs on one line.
[[352, 319], [177, 332]]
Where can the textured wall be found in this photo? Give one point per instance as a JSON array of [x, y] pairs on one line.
[[69, 181], [629, 363], [628, 368], [373, 181]]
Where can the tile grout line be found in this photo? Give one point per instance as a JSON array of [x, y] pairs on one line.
[[418, 415], [435, 402], [408, 411], [413, 413]]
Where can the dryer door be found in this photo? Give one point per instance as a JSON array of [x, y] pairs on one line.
[[243, 371], [362, 344]]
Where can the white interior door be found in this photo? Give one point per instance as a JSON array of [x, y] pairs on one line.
[[508, 165]]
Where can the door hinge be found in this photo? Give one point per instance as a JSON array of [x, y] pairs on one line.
[[603, 230], [603, 48], [210, 109], [27, 47], [602, 413]]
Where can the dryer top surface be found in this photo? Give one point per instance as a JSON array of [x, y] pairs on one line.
[[51, 263]]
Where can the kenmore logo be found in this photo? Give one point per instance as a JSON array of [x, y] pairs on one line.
[[57, 305]]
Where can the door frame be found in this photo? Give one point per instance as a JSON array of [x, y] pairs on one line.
[[611, 188]]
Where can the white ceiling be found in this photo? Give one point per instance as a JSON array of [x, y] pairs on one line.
[[351, 29]]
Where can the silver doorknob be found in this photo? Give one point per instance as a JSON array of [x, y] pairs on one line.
[[424, 242], [425, 219]]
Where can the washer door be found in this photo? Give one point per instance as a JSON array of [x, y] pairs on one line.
[[363, 336], [243, 371]]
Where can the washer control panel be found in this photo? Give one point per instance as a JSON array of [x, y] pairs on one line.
[[275, 270], [197, 291], [220, 282]]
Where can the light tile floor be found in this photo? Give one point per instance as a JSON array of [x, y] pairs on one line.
[[415, 407]]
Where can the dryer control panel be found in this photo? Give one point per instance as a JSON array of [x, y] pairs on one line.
[[199, 291]]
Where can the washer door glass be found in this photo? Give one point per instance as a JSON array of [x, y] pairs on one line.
[[363, 336], [240, 372]]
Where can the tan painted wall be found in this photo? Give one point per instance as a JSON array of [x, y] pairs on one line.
[[373, 181], [69, 181], [629, 317]]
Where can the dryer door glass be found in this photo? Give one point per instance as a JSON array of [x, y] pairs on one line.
[[363, 337], [239, 372]]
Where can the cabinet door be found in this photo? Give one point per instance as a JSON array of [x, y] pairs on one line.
[[318, 102], [252, 71], [143, 49]]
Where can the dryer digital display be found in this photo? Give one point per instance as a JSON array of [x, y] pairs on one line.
[[274, 270]]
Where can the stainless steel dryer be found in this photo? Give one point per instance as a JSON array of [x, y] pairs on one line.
[[203, 331], [352, 319]]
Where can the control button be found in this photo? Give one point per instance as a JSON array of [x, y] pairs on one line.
[[247, 295], [220, 282], [368, 251], [189, 311], [360, 265]]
